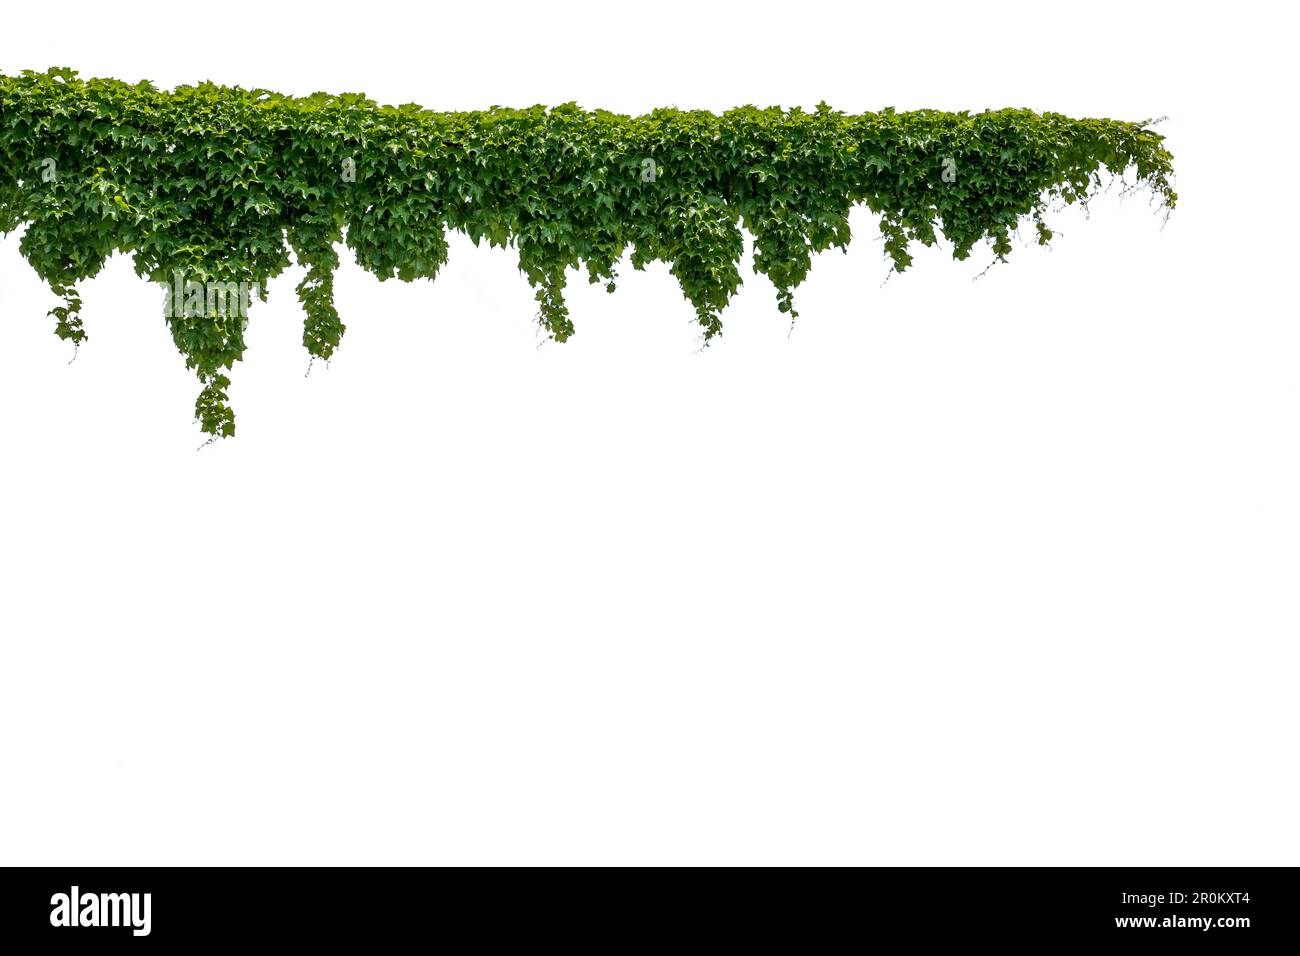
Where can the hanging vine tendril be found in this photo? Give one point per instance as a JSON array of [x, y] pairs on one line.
[[210, 186]]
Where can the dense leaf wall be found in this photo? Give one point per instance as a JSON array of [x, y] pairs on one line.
[[222, 184]]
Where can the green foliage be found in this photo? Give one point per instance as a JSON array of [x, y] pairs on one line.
[[221, 184]]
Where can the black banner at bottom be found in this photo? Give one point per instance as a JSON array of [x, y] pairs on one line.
[[1228, 909]]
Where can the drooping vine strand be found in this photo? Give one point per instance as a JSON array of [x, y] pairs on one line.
[[220, 187]]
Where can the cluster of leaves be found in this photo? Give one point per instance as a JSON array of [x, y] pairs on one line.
[[223, 184]]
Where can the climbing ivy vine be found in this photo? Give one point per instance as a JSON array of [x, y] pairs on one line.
[[219, 186]]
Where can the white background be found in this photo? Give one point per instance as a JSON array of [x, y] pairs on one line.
[[997, 571]]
